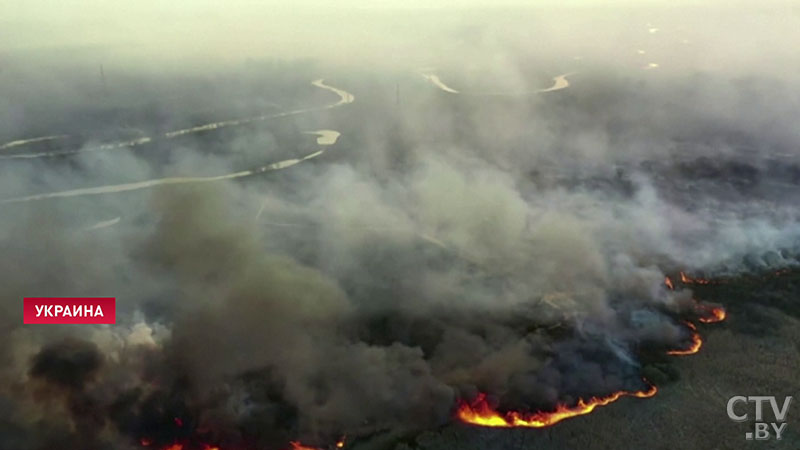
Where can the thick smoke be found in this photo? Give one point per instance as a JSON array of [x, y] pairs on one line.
[[495, 236]]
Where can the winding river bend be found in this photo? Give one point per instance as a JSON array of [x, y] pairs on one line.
[[344, 98], [22, 142], [325, 138], [559, 82]]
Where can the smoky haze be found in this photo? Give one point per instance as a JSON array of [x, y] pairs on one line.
[[472, 200]]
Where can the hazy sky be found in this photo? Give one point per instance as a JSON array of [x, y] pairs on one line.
[[404, 34], [50, 23]]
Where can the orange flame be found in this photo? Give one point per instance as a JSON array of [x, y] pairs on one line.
[[296, 445], [717, 315], [697, 342], [478, 412], [686, 279]]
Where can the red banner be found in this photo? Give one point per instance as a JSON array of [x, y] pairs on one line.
[[78, 310]]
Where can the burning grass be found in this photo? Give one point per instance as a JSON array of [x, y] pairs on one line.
[[479, 411]]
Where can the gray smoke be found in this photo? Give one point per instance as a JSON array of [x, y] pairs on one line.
[[448, 243]]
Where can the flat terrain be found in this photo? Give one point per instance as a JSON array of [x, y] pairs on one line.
[[756, 351]]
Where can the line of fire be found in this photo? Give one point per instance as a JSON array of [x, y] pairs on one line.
[[480, 410]]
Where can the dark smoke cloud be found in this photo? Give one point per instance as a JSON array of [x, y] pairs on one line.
[[69, 363]]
